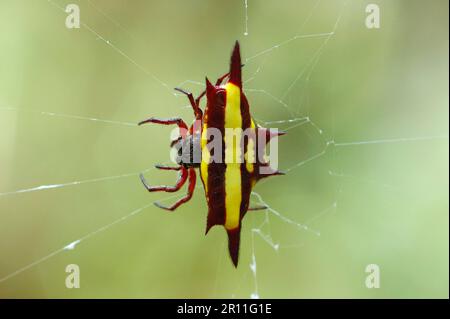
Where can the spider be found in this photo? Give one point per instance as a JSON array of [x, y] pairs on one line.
[[227, 184]]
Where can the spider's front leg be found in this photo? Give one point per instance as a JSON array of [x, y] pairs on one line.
[[194, 103], [170, 189], [175, 120], [190, 192], [258, 207], [168, 168], [223, 77]]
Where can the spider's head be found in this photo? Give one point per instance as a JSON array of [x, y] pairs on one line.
[[186, 151]]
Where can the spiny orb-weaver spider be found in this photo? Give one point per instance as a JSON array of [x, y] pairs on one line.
[[228, 184]]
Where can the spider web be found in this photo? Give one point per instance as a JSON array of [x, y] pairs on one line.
[[294, 105]]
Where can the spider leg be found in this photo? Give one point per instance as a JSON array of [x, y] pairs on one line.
[[190, 192], [223, 77], [175, 141], [168, 168], [196, 103], [175, 120], [180, 182], [197, 111], [197, 100], [259, 207], [220, 80]]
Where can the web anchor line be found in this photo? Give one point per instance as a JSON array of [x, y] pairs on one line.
[[86, 181], [72, 245]]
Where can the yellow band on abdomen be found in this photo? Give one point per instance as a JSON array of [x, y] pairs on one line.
[[233, 120]]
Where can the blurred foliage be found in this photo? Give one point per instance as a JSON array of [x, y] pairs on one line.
[[360, 85]]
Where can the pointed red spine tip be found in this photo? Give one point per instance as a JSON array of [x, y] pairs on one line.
[[235, 66], [233, 244], [208, 83], [210, 89], [270, 133]]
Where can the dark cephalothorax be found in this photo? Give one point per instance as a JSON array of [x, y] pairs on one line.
[[188, 151]]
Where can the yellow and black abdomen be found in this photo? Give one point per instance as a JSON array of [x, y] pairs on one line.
[[227, 181], [228, 176]]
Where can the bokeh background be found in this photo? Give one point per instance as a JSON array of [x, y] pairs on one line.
[[383, 202]]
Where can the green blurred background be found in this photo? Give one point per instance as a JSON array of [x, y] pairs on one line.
[[357, 85]]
